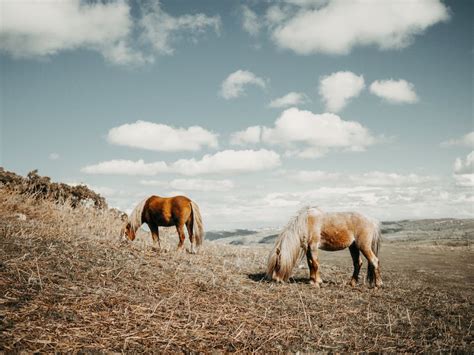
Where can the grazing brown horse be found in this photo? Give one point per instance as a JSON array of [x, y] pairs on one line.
[[313, 229], [158, 211]]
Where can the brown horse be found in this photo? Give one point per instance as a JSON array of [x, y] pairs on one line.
[[313, 229], [158, 211]]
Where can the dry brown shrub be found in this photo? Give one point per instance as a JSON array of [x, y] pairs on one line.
[[41, 187]]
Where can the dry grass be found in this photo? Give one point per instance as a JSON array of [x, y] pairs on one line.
[[68, 283]]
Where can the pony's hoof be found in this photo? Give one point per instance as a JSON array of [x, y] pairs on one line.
[[353, 283], [315, 284]]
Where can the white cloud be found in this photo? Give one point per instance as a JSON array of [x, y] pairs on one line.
[[466, 140], [312, 176], [371, 178], [338, 88], [464, 171], [122, 54], [290, 99], [307, 3], [233, 86], [318, 132], [464, 180], [41, 28], [31, 29], [341, 25], [229, 161], [223, 162], [159, 28], [250, 21], [394, 91], [378, 178], [105, 191], [160, 137], [464, 166], [249, 136], [275, 15], [206, 185], [53, 156], [126, 167]]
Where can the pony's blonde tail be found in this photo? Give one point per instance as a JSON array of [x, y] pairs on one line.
[[376, 240], [289, 248], [198, 228]]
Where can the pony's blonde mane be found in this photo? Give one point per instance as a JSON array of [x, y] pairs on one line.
[[290, 245], [135, 218]]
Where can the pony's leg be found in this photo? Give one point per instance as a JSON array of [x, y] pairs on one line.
[[357, 261], [313, 264], [155, 235], [373, 269], [179, 228], [189, 227]]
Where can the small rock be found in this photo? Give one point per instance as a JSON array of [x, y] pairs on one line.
[[20, 216]]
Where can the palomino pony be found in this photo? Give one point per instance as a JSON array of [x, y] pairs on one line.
[[313, 229], [158, 211]]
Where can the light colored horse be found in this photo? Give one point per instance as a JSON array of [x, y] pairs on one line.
[[158, 211], [313, 229]]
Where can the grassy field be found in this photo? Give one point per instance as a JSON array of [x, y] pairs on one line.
[[68, 283]]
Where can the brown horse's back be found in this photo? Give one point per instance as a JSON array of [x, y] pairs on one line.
[[167, 211]]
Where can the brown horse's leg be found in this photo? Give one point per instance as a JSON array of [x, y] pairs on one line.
[[179, 228], [155, 235], [373, 269], [313, 264], [189, 227], [357, 261]]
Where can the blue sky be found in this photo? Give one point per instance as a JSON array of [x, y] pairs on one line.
[[140, 98]]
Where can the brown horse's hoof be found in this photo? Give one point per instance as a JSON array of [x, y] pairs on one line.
[[353, 283]]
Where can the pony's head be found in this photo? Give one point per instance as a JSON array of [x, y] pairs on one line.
[[127, 231]]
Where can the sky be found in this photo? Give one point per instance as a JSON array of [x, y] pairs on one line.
[[251, 108]]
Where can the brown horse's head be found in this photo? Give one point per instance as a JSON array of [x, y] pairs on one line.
[[127, 230]]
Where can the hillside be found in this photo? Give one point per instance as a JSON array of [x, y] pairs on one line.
[[448, 231], [69, 283]]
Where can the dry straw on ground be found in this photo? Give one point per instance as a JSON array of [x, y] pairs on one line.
[[68, 283]]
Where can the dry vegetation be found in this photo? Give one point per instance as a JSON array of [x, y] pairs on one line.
[[68, 283]]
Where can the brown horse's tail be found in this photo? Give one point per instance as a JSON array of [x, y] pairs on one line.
[[198, 228], [376, 240]]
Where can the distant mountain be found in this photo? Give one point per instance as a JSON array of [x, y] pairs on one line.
[[214, 235]]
